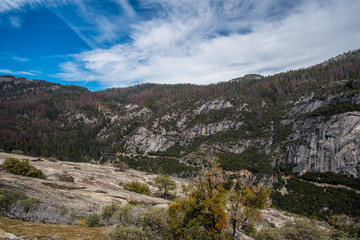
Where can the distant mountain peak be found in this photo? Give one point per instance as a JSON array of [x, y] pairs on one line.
[[247, 77]]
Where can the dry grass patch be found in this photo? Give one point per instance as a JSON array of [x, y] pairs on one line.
[[40, 231]]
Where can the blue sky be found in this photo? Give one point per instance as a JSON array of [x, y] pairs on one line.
[[117, 43]]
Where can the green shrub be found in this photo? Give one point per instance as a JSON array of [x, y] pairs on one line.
[[298, 230], [127, 215], [334, 108], [137, 187], [332, 178], [156, 219], [93, 220], [137, 221], [22, 167], [132, 233], [310, 200], [108, 212], [30, 203], [250, 230], [17, 152], [252, 159], [160, 164], [17, 205], [7, 198], [302, 229], [345, 225]]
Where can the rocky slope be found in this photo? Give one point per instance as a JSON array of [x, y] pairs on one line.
[[93, 186]]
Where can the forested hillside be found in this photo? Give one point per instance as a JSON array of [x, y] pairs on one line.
[[292, 123], [251, 122]]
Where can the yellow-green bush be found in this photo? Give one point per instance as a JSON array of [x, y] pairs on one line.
[[7, 198], [302, 230], [132, 233], [22, 167], [93, 220], [137, 187], [17, 152], [108, 212], [138, 222]]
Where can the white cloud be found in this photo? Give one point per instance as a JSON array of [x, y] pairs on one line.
[[30, 73], [15, 21], [11, 5], [204, 41], [94, 23], [8, 5], [183, 44], [20, 59]]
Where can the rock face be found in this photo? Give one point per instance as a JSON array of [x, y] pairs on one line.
[[145, 141], [206, 130], [330, 146], [212, 105]]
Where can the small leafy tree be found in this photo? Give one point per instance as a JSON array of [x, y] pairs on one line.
[[202, 215], [165, 185], [246, 201]]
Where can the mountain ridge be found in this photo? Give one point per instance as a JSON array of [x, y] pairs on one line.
[[258, 124]]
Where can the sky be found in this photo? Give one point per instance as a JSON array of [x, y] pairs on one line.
[[118, 43]]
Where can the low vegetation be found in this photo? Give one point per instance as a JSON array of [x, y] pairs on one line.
[[321, 202], [161, 164], [43, 231], [22, 167], [140, 222], [330, 110], [17, 205], [332, 178], [301, 229], [251, 159], [138, 187], [93, 220]]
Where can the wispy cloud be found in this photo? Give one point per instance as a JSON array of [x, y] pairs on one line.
[[203, 41], [19, 5], [29, 73], [97, 24], [15, 21], [9, 5], [206, 42], [20, 59]]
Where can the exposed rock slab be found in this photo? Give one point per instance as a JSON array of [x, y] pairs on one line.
[[93, 188]]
